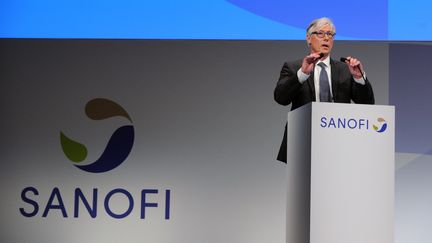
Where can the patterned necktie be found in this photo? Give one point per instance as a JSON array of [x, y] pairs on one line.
[[324, 84]]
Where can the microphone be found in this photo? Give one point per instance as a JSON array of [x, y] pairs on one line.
[[318, 58], [343, 59], [315, 60]]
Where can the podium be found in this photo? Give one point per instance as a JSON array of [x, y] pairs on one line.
[[340, 170]]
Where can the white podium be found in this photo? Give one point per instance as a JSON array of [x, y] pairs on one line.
[[340, 168]]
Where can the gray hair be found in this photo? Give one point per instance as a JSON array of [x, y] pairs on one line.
[[318, 23]]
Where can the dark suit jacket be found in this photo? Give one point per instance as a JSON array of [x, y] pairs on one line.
[[290, 91]]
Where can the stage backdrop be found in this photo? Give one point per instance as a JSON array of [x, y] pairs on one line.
[[156, 141]]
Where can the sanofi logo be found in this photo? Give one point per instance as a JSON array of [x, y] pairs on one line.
[[88, 201], [382, 127], [352, 123], [119, 145]]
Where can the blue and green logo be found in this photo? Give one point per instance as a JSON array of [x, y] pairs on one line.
[[119, 145], [382, 127]]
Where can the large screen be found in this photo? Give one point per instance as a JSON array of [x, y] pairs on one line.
[[213, 19]]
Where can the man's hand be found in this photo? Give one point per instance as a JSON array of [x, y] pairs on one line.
[[309, 62], [354, 66]]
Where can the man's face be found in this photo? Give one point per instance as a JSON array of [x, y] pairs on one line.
[[322, 44]]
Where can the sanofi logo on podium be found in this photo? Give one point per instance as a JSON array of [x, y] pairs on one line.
[[352, 123], [382, 127]]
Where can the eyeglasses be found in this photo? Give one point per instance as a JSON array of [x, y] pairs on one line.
[[322, 34]]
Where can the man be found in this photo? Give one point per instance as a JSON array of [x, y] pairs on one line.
[[319, 78]]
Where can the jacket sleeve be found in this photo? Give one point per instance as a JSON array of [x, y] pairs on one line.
[[288, 85], [362, 93]]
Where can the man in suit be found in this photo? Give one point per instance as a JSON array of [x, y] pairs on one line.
[[319, 78]]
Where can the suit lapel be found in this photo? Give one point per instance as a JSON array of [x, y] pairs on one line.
[[334, 78]]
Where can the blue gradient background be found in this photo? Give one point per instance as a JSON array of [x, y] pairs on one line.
[[213, 19]]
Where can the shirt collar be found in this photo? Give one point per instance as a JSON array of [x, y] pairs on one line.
[[326, 61]]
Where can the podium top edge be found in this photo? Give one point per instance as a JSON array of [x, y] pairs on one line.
[[321, 104], [349, 104]]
